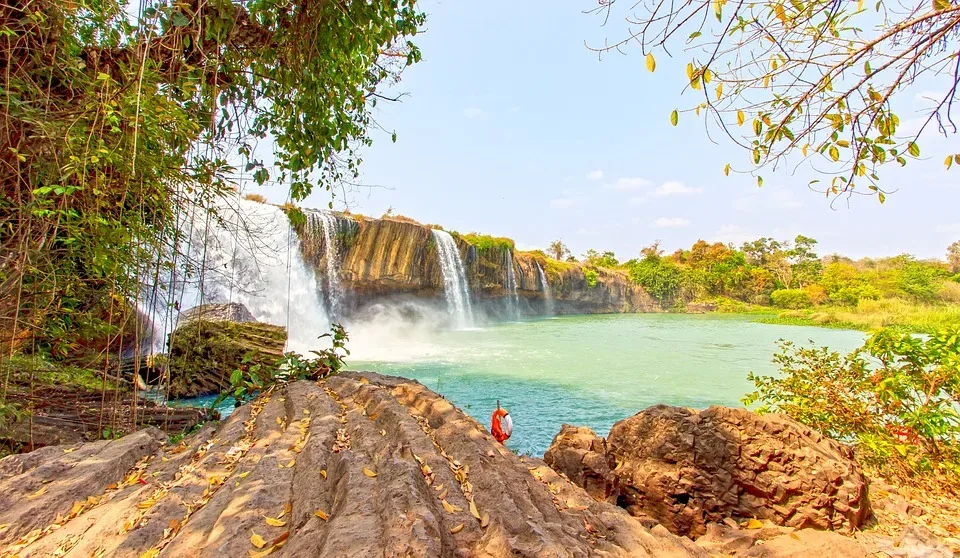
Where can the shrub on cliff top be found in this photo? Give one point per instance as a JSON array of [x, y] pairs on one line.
[[897, 398], [484, 242]]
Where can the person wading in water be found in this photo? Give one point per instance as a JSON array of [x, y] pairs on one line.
[[501, 425]]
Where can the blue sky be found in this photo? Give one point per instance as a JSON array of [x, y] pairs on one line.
[[513, 127]]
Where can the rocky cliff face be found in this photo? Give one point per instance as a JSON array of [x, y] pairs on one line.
[[380, 258]]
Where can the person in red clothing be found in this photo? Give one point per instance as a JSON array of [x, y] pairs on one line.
[[501, 425]]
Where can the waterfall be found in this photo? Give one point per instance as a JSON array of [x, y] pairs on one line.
[[513, 299], [454, 279], [545, 287], [247, 253], [334, 291]]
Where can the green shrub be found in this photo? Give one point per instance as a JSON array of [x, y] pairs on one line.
[[660, 277], [792, 299], [851, 295], [897, 398], [591, 276], [485, 242]]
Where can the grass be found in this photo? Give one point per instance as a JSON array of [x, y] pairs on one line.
[[255, 198], [872, 315], [485, 242], [44, 373]]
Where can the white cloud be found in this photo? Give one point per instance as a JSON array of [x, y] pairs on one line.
[[595, 175], [637, 200], [474, 113], [629, 184], [564, 203], [665, 222], [674, 188]]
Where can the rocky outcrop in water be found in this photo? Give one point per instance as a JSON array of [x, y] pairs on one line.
[[218, 312], [204, 352], [687, 468], [356, 465], [392, 257]]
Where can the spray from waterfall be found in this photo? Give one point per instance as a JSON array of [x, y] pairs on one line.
[[328, 224], [455, 286], [545, 287], [250, 255], [513, 299]]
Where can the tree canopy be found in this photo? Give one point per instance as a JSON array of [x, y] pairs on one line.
[[806, 80], [112, 124]]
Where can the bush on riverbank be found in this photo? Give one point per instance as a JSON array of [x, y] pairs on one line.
[[896, 398]]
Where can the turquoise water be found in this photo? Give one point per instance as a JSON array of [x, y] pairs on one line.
[[584, 370], [590, 370]]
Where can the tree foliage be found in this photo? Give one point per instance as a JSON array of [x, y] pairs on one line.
[[111, 125], [558, 250], [814, 80], [897, 398]]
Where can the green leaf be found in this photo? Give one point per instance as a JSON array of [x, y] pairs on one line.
[[834, 153], [881, 197], [178, 19], [674, 117], [913, 149]]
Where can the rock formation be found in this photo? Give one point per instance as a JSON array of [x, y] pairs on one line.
[[356, 465], [218, 312], [204, 352], [393, 257], [686, 468]]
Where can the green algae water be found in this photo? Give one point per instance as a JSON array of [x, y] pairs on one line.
[[589, 370]]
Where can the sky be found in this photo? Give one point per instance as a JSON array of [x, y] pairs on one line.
[[512, 126]]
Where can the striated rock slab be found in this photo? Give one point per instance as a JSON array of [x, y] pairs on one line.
[[355, 465], [218, 312], [686, 468], [203, 353]]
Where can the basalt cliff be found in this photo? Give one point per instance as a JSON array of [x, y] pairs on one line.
[[390, 258]]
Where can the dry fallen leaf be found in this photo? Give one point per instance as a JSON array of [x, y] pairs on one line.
[[42, 491], [443, 495], [368, 472], [323, 473], [292, 463], [77, 508], [474, 510], [281, 539], [274, 522], [260, 554], [257, 541], [485, 520], [754, 524], [322, 515], [450, 507], [456, 529], [150, 553]]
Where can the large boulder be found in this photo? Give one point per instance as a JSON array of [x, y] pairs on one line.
[[353, 465], [686, 468], [204, 353], [218, 312]]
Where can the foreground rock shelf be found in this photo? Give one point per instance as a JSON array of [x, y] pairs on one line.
[[357, 465]]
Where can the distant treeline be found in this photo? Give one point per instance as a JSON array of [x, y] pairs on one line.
[[789, 275]]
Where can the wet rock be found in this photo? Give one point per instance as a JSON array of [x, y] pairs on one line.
[[687, 468], [218, 312], [355, 465]]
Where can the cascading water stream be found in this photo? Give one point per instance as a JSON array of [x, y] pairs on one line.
[[513, 299], [334, 291], [545, 287], [250, 255], [455, 286]]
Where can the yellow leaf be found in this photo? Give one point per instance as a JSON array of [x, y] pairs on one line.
[[707, 76], [40, 492], [726, 169], [77, 508], [257, 541], [674, 117], [262, 553], [450, 507], [948, 162], [651, 63], [804, 149], [741, 118], [485, 520], [150, 553], [766, 81], [368, 472], [781, 14], [690, 71], [292, 463], [322, 515], [719, 91], [695, 84], [243, 475], [859, 5], [274, 522], [456, 529], [146, 504], [473, 509], [754, 524]]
